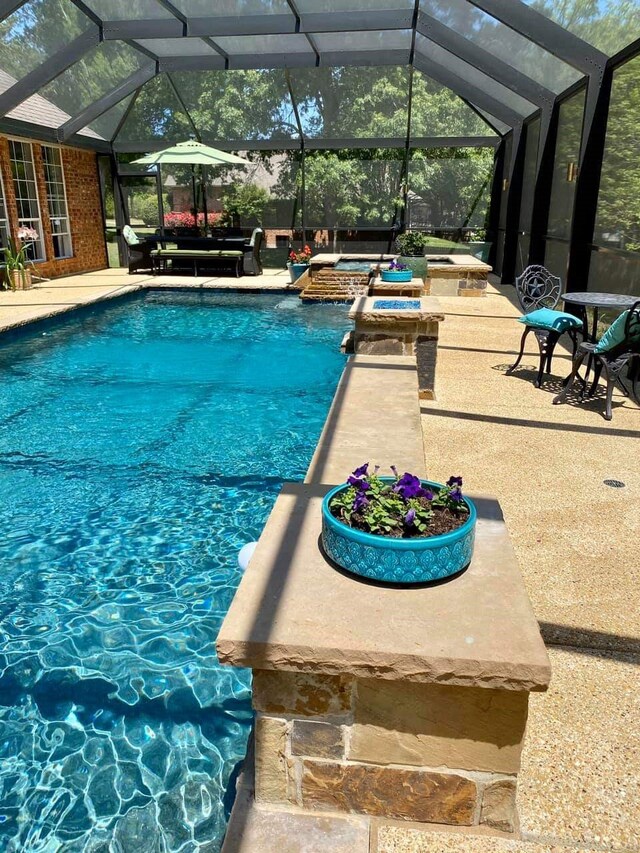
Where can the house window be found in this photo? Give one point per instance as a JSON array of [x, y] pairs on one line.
[[26, 190], [4, 224], [57, 200]]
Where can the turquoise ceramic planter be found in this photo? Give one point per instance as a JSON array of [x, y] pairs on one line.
[[298, 270], [396, 275], [398, 561]]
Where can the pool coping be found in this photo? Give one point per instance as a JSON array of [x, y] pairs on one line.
[[55, 312]]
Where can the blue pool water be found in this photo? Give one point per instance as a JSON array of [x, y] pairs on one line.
[[142, 445]]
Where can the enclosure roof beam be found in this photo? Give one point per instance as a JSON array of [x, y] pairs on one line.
[[284, 60], [169, 6], [483, 117], [466, 90], [88, 11], [163, 28], [16, 127], [345, 22], [42, 74], [97, 108], [307, 22], [544, 32], [294, 9], [396, 142], [8, 7], [484, 61]]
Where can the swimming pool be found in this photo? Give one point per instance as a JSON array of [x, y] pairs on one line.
[[142, 445]]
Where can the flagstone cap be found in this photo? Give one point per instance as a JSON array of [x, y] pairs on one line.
[[295, 611], [402, 308]]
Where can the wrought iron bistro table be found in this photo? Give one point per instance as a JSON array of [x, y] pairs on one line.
[[613, 301], [596, 301]]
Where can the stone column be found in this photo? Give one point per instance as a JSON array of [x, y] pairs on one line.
[[421, 752]]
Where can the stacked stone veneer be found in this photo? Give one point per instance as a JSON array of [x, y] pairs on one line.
[[84, 204], [406, 331], [430, 753], [456, 280]]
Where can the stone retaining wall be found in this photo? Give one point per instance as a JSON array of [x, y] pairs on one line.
[[455, 281], [421, 752]]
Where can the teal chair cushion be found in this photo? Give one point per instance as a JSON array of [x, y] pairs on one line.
[[547, 318], [614, 334]]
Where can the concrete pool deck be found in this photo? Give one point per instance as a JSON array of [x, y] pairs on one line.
[[576, 541]]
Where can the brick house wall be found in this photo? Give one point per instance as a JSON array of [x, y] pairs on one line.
[[84, 205]]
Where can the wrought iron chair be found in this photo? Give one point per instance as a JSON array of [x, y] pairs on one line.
[[611, 360], [538, 292]]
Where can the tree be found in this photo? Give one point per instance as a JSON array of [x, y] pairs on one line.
[[244, 203]]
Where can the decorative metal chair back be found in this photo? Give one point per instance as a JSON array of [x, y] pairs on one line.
[[631, 342], [537, 288]]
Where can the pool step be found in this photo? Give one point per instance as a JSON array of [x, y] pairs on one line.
[[329, 285]]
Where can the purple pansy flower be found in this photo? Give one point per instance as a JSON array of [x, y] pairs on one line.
[[456, 495], [360, 502], [362, 470], [361, 485], [454, 481], [408, 486], [410, 517]]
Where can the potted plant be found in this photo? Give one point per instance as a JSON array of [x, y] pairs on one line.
[[298, 263], [396, 272], [17, 262], [399, 529]]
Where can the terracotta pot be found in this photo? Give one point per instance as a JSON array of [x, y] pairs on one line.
[[21, 279]]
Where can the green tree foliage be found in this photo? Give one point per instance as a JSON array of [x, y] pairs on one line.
[[618, 221], [245, 203]]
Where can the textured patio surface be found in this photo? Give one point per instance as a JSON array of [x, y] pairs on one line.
[[577, 543], [48, 298]]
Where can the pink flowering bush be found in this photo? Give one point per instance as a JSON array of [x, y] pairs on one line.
[[185, 219]]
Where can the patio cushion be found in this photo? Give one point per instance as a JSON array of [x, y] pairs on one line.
[[130, 236], [195, 253], [547, 318], [614, 334]]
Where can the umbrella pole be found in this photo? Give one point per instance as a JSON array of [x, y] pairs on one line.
[[195, 198], [204, 199]]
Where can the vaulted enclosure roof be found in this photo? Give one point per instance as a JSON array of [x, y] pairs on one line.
[[275, 73]]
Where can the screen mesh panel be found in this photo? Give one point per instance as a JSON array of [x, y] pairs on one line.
[[35, 32], [608, 25], [249, 105], [352, 102], [502, 41], [98, 72]]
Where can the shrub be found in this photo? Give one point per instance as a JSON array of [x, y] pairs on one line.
[[411, 243]]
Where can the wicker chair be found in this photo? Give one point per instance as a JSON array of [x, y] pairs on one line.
[[612, 360], [252, 265], [138, 251], [538, 292]]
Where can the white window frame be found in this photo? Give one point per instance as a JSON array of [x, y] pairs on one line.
[[5, 232], [58, 231], [31, 221]]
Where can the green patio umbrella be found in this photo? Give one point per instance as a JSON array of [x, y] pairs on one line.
[[193, 153]]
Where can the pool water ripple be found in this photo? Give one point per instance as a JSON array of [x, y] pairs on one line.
[[142, 445]]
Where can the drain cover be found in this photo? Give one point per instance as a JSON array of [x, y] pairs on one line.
[[615, 484]]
